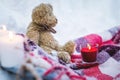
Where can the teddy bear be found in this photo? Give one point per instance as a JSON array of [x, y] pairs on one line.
[[41, 31]]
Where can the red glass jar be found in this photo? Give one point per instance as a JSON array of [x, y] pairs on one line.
[[89, 55]]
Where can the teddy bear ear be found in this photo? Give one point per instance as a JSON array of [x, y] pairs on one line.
[[46, 7], [41, 10]]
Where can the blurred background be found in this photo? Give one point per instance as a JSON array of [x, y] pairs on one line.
[[76, 18]]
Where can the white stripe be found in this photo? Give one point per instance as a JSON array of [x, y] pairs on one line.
[[110, 67]]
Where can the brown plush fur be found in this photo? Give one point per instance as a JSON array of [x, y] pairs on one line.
[[41, 28]]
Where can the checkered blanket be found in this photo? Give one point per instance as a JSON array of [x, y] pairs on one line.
[[42, 66], [107, 66]]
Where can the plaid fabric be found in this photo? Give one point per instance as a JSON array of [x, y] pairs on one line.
[[108, 55], [109, 51], [39, 57]]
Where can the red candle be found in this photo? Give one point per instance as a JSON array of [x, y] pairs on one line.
[[89, 53]]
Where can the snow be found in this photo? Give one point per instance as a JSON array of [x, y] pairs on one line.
[[76, 18]]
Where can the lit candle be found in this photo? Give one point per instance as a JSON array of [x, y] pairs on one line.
[[3, 30], [89, 53], [4, 27], [11, 49]]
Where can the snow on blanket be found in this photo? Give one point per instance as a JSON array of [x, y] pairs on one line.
[[39, 65]]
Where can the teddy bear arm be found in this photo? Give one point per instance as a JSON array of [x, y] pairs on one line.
[[69, 47], [64, 56], [59, 48], [47, 49], [48, 40]]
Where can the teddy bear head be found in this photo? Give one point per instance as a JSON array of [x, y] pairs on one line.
[[43, 15]]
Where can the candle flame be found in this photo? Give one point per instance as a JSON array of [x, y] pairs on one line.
[[89, 47], [10, 35], [4, 27]]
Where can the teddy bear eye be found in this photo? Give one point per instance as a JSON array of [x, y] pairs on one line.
[[50, 14]]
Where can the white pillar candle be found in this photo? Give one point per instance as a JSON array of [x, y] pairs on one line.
[[11, 50]]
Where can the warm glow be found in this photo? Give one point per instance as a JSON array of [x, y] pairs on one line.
[[4, 27], [10, 35], [89, 47]]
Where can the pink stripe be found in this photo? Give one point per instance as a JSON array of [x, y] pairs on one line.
[[95, 72]]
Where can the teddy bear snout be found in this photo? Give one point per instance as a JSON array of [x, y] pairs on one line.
[[55, 21]]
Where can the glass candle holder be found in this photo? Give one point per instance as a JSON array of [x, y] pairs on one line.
[[89, 54]]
